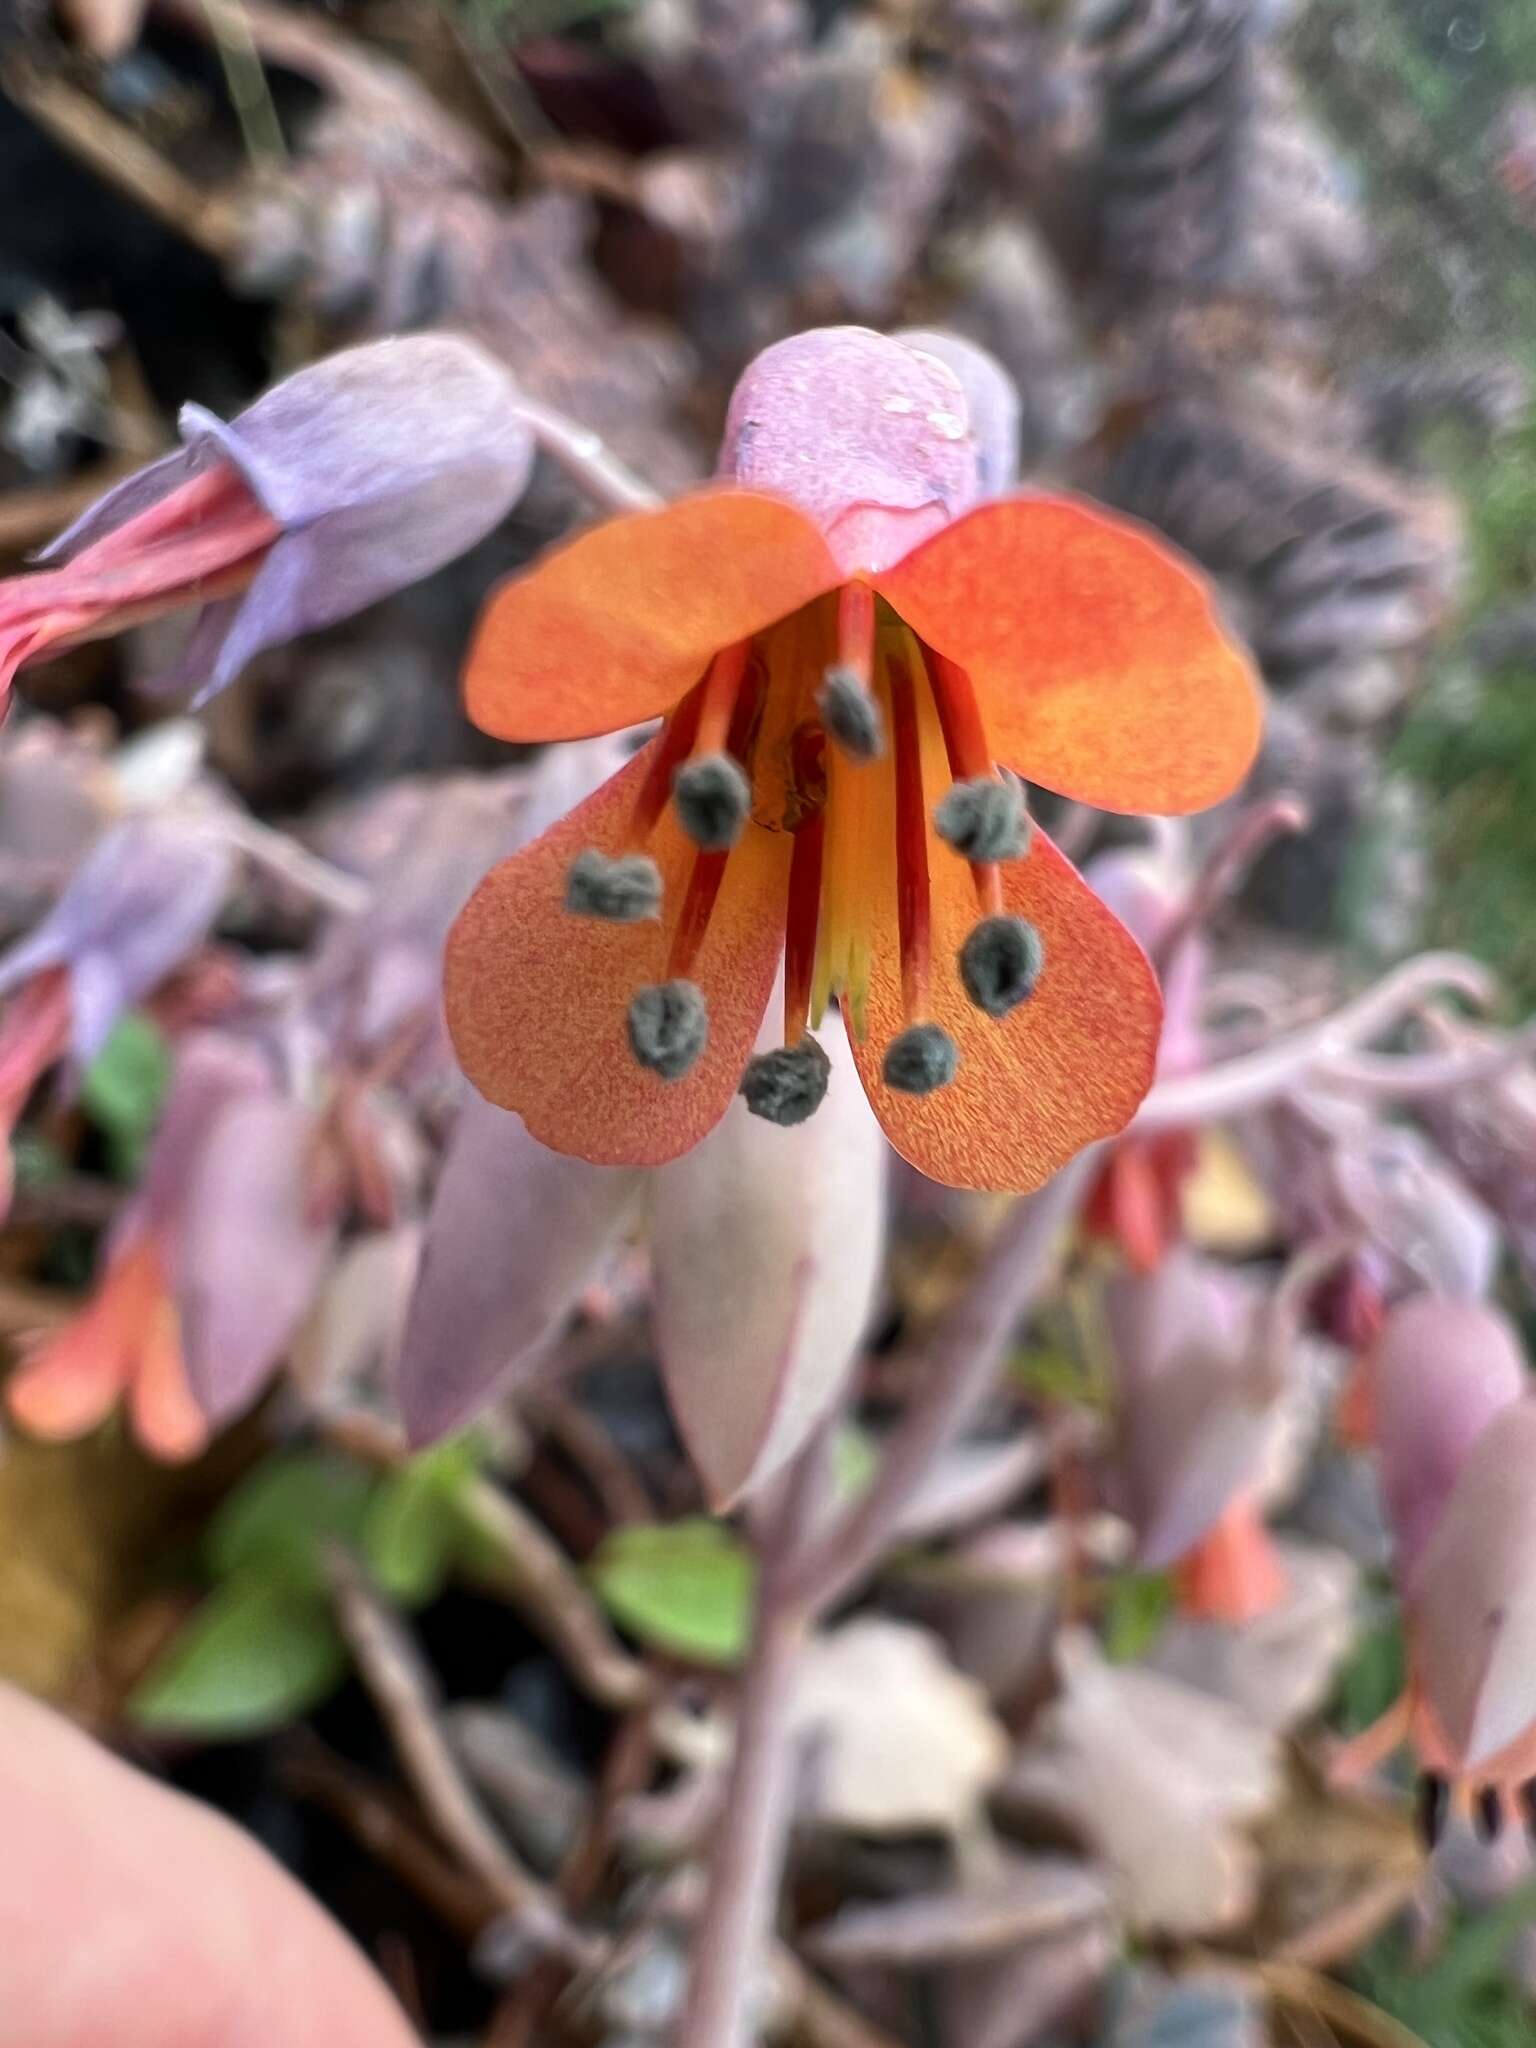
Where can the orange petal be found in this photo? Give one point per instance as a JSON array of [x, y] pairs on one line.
[[1068, 1066], [615, 626], [1234, 1573], [71, 1381], [1101, 667], [166, 1418], [537, 999]]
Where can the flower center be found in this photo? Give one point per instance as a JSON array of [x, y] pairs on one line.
[[841, 728]]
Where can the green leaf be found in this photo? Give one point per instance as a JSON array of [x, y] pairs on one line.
[[854, 1461], [1052, 1373], [1136, 1605], [1375, 1673], [280, 1517], [123, 1089], [686, 1588], [412, 1531], [259, 1652]]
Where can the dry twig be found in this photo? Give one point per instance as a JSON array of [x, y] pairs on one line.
[[393, 1671]]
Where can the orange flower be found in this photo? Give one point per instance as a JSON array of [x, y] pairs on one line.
[[845, 681], [125, 1341]]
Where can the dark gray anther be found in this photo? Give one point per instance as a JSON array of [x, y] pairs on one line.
[[852, 718], [713, 799], [622, 889], [787, 1085], [668, 1028], [984, 819], [923, 1058], [1000, 963]]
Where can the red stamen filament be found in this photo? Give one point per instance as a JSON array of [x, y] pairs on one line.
[[914, 909], [676, 743], [718, 697], [731, 717], [965, 742], [856, 630], [803, 916]]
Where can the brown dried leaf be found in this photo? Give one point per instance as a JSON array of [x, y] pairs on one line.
[[1160, 1779], [898, 1741]]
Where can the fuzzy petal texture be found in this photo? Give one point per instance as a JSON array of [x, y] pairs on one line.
[[1067, 1066], [514, 1234], [1101, 666], [537, 999], [616, 626], [767, 1245], [143, 898], [1473, 1610], [250, 1256], [872, 438], [1442, 1370]]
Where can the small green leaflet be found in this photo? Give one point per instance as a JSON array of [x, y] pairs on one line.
[[1136, 1605], [123, 1089], [278, 1519], [413, 1533], [263, 1647], [685, 1588], [257, 1653]]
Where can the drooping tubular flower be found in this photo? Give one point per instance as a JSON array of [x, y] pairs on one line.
[[353, 477], [1201, 1429], [1456, 1442], [1136, 1202], [127, 1340], [850, 653]]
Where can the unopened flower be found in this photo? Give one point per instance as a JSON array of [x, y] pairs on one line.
[[351, 478], [1137, 1201], [1201, 1428], [126, 1342], [846, 564], [1457, 1443], [374, 982], [766, 1242]]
